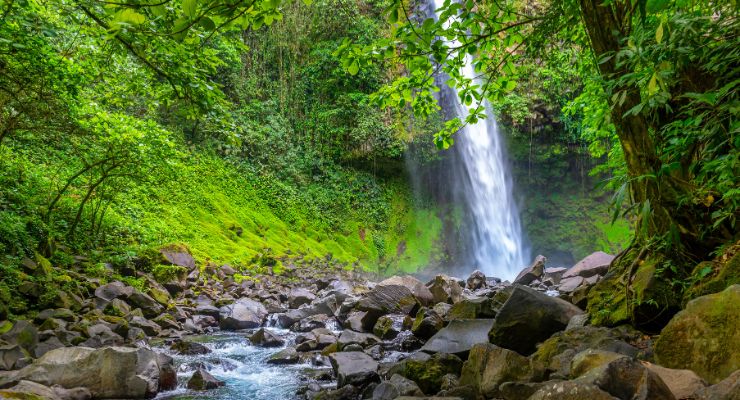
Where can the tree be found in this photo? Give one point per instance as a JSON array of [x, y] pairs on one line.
[[668, 72]]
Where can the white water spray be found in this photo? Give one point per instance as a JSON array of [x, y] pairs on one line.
[[483, 185]]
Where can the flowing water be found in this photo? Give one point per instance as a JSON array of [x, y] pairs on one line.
[[481, 183], [241, 366]]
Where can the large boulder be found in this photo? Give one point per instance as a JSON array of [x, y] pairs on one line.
[[594, 264], [23, 334], [149, 307], [189, 348], [459, 336], [570, 390], [418, 289], [113, 290], [627, 379], [300, 296], [177, 255], [488, 366], [111, 372], [202, 380], [31, 390], [348, 337], [354, 368], [529, 317], [682, 382], [243, 314], [12, 357], [476, 280], [700, 338], [266, 338], [533, 272], [727, 389]]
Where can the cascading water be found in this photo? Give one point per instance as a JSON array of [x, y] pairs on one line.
[[481, 183]]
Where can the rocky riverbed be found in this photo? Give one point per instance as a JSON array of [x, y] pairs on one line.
[[338, 334]]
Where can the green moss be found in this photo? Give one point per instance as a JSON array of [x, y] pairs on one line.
[[167, 273], [716, 275]]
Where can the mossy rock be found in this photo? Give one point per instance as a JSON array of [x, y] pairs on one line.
[[716, 275], [428, 372], [10, 394], [648, 303], [704, 337]]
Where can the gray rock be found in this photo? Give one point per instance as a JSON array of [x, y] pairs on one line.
[[113, 290], [354, 368], [529, 317], [445, 289], [111, 372], [476, 280], [727, 389], [244, 314], [149, 307], [149, 327], [533, 272], [569, 390], [386, 299], [189, 348], [299, 297], [459, 336], [488, 366], [24, 334], [266, 338], [348, 337], [594, 264], [202, 380], [288, 355], [418, 289], [10, 356], [627, 379], [570, 284], [178, 256]]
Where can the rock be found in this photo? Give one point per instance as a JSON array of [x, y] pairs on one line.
[[555, 273], [591, 359], [299, 297], [681, 382], [310, 323], [426, 324], [476, 280], [471, 308], [111, 372], [47, 346], [385, 391], [727, 389], [266, 338], [149, 327], [354, 368], [101, 335], [459, 336], [395, 387], [445, 289], [189, 348], [244, 314], [388, 326], [428, 371], [554, 357], [113, 290], [202, 380], [288, 355], [11, 357], [626, 378], [30, 390], [178, 255], [570, 284], [488, 366], [533, 272], [149, 307], [594, 264], [520, 390], [385, 299], [418, 289], [529, 317], [348, 337], [699, 337], [24, 334], [570, 390]]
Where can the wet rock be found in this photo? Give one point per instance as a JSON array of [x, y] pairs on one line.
[[395, 387], [244, 314], [426, 324], [476, 280], [471, 308], [699, 337], [207, 310], [445, 289], [364, 340], [529, 317], [428, 371], [354, 368], [288, 355], [189, 348], [32, 390], [570, 390], [594, 264], [388, 326], [310, 323], [112, 372], [533, 272], [299, 297], [488, 366], [627, 379], [202, 380], [459, 336], [266, 338]]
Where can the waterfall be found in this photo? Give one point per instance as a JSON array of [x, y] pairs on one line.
[[481, 183]]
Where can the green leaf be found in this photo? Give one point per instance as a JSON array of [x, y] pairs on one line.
[[354, 68], [130, 16], [207, 24], [653, 84], [190, 7], [659, 33]]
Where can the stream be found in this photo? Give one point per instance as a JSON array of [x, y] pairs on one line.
[[242, 366]]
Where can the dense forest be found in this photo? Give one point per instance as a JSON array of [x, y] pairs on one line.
[[176, 157]]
